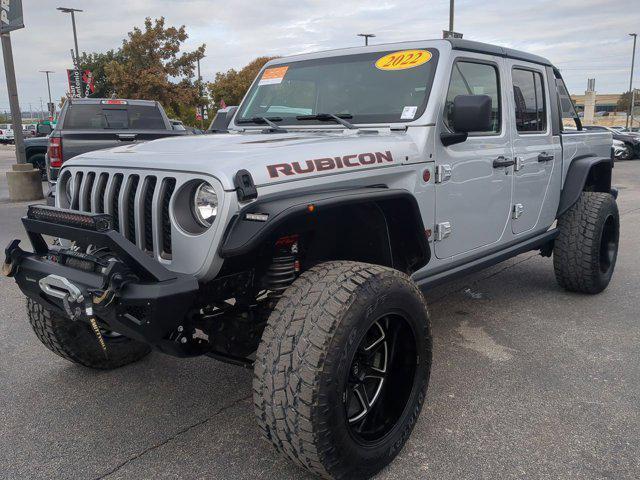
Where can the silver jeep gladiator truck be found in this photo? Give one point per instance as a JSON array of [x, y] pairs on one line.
[[299, 243]]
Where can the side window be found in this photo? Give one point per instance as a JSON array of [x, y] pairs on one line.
[[567, 109], [471, 78], [528, 91]]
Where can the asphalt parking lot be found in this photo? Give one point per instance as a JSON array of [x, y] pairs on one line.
[[528, 381]]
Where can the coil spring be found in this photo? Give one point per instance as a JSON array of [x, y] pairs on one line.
[[281, 273]]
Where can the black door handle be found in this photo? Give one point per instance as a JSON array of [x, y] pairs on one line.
[[503, 162], [543, 157]]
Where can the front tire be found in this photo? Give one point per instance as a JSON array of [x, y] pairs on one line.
[[585, 252], [76, 342], [343, 368]]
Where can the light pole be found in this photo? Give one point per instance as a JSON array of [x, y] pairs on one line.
[[366, 37], [201, 110], [633, 59], [47, 72], [73, 11], [451, 15]]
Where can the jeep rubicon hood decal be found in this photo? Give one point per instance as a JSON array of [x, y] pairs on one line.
[[323, 164]]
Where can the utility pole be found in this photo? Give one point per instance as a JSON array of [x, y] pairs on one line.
[[201, 110], [14, 105], [49, 105], [633, 59], [366, 37]]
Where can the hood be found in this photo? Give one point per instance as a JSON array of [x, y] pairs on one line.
[[270, 158]]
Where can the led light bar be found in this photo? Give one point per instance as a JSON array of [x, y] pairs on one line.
[[98, 222], [113, 102]]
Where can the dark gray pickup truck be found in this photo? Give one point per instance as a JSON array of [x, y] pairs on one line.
[[89, 124]]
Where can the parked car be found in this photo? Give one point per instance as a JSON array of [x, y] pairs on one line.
[[88, 124], [6, 133], [29, 130], [221, 120], [189, 130], [299, 243], [631, 140], [35, 148]]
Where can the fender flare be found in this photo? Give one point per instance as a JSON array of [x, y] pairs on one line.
[[242, 235], [576, 180]]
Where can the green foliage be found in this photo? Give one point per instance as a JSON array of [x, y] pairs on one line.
[[230, 86]]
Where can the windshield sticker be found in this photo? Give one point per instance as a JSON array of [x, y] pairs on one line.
[[273, 76], [408, 113], [403, 60]]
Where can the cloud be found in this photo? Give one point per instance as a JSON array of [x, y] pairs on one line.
[[584, 38]]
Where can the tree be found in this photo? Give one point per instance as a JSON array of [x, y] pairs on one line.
[[97, 63], [625, 101], [150, 65], [232, 85]]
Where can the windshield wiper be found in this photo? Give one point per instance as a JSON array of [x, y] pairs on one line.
[[266, 120], [327, 117]]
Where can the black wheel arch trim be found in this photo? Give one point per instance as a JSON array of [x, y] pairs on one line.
[[576, 180], [242, 235]]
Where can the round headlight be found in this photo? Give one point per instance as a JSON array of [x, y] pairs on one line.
[[205, 205], [68, 189]]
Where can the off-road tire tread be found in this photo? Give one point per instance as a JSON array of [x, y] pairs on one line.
[[576, 249], [57, 335], [308, 312]]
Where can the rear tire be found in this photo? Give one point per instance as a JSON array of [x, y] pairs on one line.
[[585, 252], [38, 161], [343, 368], [76, 342]]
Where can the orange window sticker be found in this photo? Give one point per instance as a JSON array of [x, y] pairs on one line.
[[403, 59], [272, 76]]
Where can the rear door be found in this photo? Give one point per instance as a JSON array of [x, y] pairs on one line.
[[473, 189], [537, 151]]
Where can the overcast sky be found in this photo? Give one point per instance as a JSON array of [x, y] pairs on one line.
[[584, 38]]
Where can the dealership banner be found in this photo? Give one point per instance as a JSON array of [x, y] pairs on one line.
[[80, 83]]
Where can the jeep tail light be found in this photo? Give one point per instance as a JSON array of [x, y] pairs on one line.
[[55, 152]]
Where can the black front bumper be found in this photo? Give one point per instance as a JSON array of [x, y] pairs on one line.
[[148, 303]]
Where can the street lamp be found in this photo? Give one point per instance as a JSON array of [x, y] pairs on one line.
[[366, 37], [633, 93], [47, 72], [72, 11]]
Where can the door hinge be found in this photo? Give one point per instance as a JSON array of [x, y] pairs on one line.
[[443, 173], [519, 164], [442, 231], [518, 209]]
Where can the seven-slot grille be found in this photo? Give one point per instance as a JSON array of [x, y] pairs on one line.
[[138, 204]]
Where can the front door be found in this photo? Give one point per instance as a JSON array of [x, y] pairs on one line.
[[536, 150], [474, 199]]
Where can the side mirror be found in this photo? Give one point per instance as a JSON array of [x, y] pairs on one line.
[[44, 129], [470, 113]]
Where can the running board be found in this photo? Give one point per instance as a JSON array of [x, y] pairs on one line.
[[434, 279]]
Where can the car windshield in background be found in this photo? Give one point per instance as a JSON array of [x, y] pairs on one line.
[[381, 87], [100, 117]]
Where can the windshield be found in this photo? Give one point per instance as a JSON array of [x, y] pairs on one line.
[[380, 87], [122, 117]]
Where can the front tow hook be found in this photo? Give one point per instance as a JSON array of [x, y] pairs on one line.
[[12, 255]]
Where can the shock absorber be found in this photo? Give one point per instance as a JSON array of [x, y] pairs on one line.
[[284, 265], [281, 273]]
